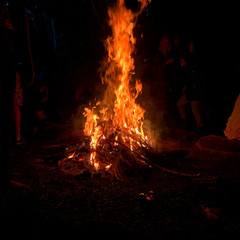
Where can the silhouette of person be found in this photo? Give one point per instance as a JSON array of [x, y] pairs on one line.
[[192, 89]]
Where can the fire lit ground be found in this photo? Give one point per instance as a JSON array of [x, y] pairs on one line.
[[111, 174]]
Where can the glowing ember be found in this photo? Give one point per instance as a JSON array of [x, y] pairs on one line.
[[115, 124]]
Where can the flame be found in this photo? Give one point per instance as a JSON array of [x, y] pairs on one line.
[[118, 109], [71, 156]]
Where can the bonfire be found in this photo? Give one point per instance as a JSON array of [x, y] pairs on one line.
[[114, 125]]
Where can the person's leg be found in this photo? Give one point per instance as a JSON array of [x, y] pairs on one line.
[[196, 109], [181, 103], [17, 120]]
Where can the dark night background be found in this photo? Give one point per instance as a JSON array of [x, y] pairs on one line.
[[66, 40], [81, 27], [66, 43]]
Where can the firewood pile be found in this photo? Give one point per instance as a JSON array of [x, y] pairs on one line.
[[118, 160], [115, 158]]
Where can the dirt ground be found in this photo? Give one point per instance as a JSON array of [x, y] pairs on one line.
[[44, 202]]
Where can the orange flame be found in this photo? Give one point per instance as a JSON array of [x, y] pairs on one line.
[[119, 109]]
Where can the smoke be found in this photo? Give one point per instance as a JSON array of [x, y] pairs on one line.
[[155, 126]]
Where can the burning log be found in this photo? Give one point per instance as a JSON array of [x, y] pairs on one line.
[[113, 156], [117, 159]]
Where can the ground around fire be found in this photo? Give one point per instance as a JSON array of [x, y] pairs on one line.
[[45, 202]]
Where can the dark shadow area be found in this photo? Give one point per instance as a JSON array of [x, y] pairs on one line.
[[51, 57]]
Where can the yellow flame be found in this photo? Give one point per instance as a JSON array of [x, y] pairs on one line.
[[119, 104], [108, 166], [71, 156]]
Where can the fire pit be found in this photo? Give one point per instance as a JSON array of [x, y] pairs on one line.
[[114, 128]]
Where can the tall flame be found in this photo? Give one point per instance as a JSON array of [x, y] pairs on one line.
[[119, 111]]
